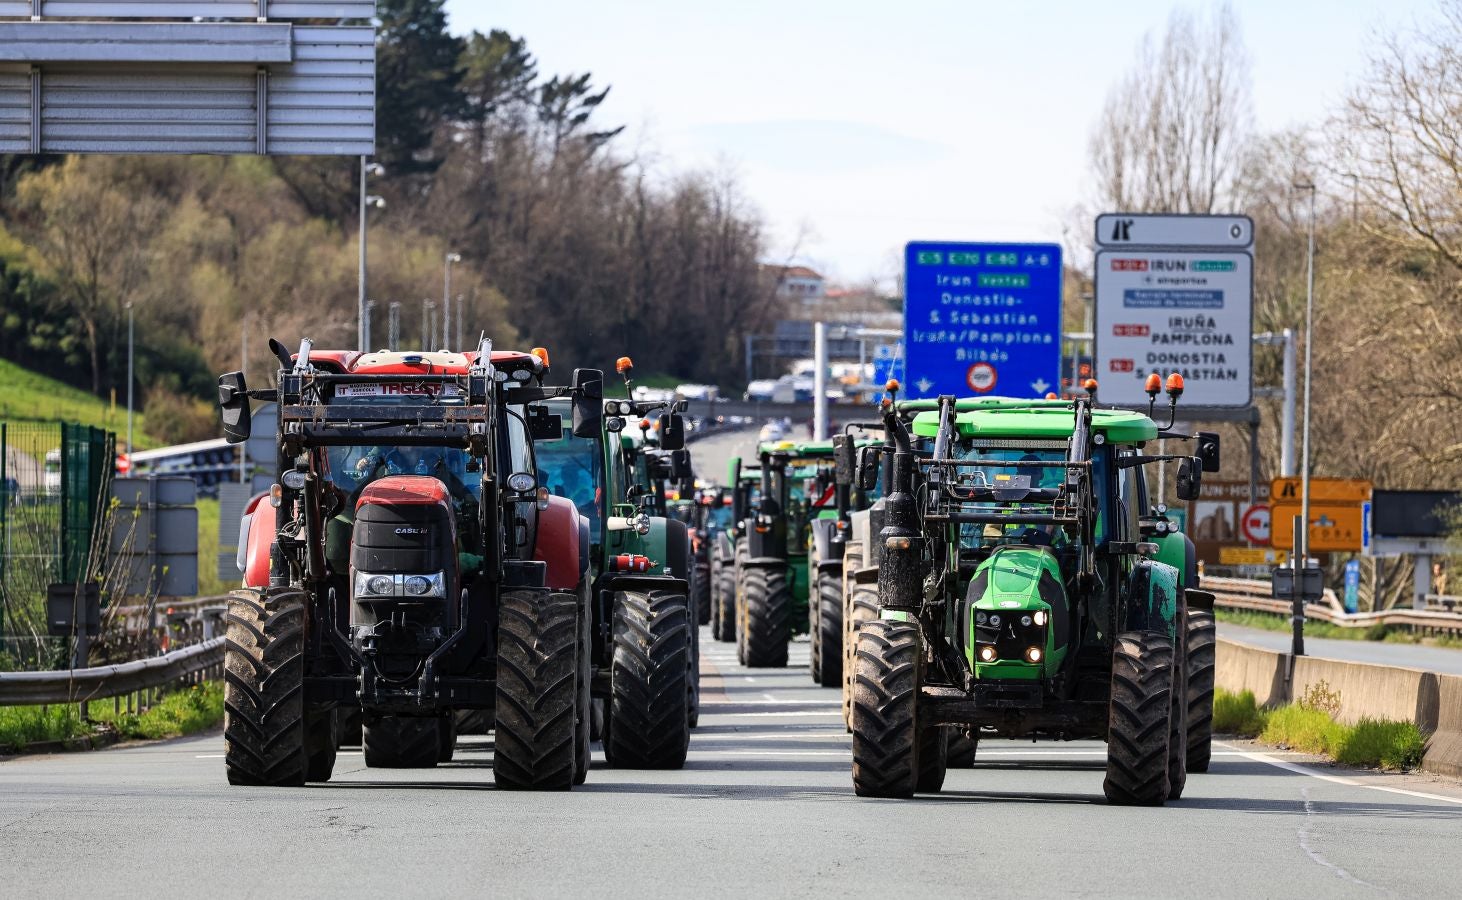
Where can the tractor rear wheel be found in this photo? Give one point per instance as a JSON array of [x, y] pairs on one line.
[[767, 619], [350, 719], [1202, 661], [826, 613], [264, 735], [538, 659], [474, 721], [401, 742], [646, 724], [1138, 727], [693, 677], [962, 749], [701, 591], [862, 604], [885, 709], [1178, 717], [322, 740], [584, 711], [933, 759], [447, 731], [723, 602]]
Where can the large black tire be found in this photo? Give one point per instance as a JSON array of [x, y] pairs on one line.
[[701, 590], [885, 709], [1138, 726], [350, 726], [646, 724], [264, 711], [447, 732], [1178, 717], [933, 758], [322, 740], [1202, 665], [962, 749], [474, 721], [862, 606], [538, 658], [825, 611], [402, 742], [767, 619], [584, 712], [693, 677], [723, 602]]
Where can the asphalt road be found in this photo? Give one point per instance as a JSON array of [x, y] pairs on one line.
[[711, 455], [764, 808], [1414, 656]]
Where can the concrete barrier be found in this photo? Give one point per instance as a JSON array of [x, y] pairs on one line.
[[1432, 701]]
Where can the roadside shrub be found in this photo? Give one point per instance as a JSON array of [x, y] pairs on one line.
[[1303, 728], [1318, 696], [1383, 743], [180, 713], [21, 725]]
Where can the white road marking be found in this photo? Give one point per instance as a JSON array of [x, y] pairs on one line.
[[1303, 832], [743, 715], [1339, 779], [705, 703]]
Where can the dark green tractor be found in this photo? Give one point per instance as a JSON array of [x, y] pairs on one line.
[[773, 577], [643, 634], [1026, 589], [742, 491]]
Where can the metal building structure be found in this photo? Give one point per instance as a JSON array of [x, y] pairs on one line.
[[187, 76]]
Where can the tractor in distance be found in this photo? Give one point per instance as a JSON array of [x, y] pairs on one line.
[[742, 491], [1024, 592], [644, 680], [407, 562]]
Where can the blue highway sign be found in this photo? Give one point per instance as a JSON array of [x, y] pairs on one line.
[[982, 319], [888, 362]]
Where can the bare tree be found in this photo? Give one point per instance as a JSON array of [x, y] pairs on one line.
[[1171, 135]]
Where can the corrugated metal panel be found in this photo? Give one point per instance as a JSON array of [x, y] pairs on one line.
[[188, 9], [148, 109], [158, 42], [14, 110], [325, 101]]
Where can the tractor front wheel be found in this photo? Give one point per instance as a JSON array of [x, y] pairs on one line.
[[647, 723], [885, 709], [933, 759], [767, 616], [538, 659], [862, 605], [962, 749], [402, 742], [1138, 726], [826, 614], [264, 734]]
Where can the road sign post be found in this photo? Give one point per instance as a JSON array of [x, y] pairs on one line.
[[982, 319]]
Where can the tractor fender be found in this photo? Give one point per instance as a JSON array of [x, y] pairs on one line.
[[1176, 549], [826, 546], [256, 537], [558, 546], [1155, 600]]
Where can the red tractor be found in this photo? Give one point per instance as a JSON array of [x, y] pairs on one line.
[[408, 564]]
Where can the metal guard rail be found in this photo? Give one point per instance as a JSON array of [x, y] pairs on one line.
[[1244, 594], [102, 682]]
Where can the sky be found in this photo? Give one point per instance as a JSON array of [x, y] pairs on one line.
[[856, 126]]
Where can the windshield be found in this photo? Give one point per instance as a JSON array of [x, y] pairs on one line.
[[1021, 484], [570, 467], [351, 468]]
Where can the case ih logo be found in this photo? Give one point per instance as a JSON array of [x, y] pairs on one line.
[[1131, 330], [1122, 365], [411, 531], [1129, 265]]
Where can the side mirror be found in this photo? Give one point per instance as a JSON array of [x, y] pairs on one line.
[[1190, 478], [844, 464], [680, 465], [868, 465], [588, 388], [544, 425], [672, 432], [1208, 450], [233, 399]]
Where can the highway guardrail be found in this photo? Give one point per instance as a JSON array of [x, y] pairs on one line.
[[137, 681], [1246, 594]]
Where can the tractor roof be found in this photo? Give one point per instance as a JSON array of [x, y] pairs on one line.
[[807, 449], [1005, 418], [398, 362]]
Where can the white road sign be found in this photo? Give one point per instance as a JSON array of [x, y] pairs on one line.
[[1169, 311], [1140, 230]]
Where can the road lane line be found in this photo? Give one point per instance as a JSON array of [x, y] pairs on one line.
[[1303, 832], [1339, 779]]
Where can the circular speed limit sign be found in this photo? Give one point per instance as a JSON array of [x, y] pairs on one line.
[[981, 378]]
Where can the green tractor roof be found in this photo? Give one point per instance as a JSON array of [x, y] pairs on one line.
[[998, 417]]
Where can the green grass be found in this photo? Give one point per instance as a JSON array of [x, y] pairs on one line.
[[21, 725], [1371, 743], [1237, 714], [179, 713], [30, 397]]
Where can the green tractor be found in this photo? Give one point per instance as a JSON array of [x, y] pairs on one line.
[[1028, 587], [742, 491], [773, 581], [643, 636]]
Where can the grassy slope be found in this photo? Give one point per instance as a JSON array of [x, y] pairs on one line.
[[29, 397]]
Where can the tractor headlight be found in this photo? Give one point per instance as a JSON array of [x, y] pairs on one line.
[[1025, 620], [995, 620], [417, 585], [980, 618], [522, 482], [987, 653], [380, 584], [521, 374], [1033, 654], [1040, 617], [294, 479]]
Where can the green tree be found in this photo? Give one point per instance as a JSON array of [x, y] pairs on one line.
[[416, 83], [497, 73]]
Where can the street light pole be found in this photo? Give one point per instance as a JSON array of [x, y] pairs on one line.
[[447, 261], [130, 379], [393, 326], [1302, 540], [363, 336]]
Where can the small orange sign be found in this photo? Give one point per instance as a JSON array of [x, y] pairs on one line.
[[1322, 490], [1334, 527]]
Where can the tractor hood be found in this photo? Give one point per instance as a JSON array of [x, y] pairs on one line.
[[1015, 615]]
